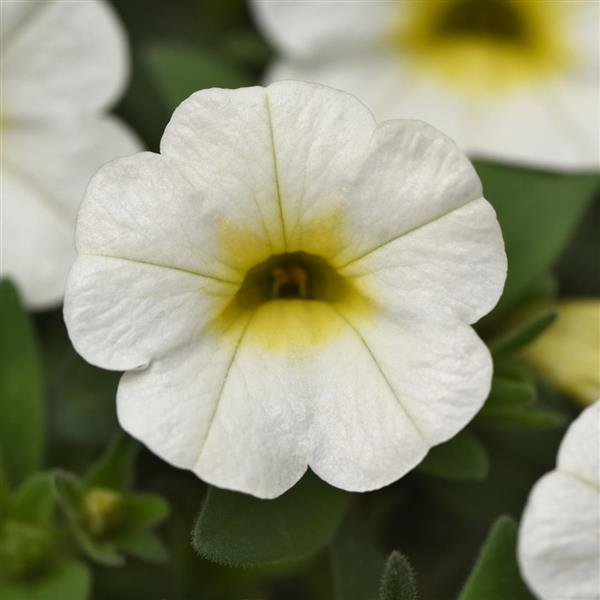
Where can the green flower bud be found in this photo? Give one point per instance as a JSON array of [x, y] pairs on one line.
[[103, 511]]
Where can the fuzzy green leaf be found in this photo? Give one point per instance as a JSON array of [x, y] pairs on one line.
[[237, 529], [21, 401], [461, 458], [398, 579], [495, 575]]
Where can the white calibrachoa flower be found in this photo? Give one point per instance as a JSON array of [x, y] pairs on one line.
[[62, 64], [515, 80], [559, 536], [289, 284]]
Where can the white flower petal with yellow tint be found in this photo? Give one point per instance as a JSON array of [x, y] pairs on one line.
[[60, 59], [559, 536], [260, 140], [546, 117], [281, 284], [44, 172], [62, 63]]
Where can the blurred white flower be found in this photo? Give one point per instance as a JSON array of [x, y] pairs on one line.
[[62, 64], [514, 80], [559, 536], [289, 284], [567, 354]]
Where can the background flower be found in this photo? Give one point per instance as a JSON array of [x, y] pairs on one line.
[[568, 352], [559, 550], [509, 79], [63, 64]]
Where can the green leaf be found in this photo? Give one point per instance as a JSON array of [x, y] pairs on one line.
[[179, 70], [538, 212], [461, 458], [145, 545], [513, 389], [69, 492], [513, 401], [67, 580], [495, 575], [237, 529], [114, 470], [34, 501], [523, 333], [398, 579], [24, 548], [21, 401], [80, 397], [356, 563], [533, 418], [144, 510]]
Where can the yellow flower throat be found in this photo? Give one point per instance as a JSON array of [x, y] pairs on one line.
[[484, 46]]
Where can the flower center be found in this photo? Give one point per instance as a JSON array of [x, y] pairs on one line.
[[292, 276], [495, 19], [483, 47]]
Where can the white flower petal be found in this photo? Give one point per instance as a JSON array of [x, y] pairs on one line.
[[249, 418], [415, 195], [45, 172], [142, 208], [413, 175], [313, 171], [579, 452], [122, 313], [389, 389], [61, 59], [37, 242], [429, 271], [559, 536], [61, 158], [300, 28], [251, 146], [223, 409]]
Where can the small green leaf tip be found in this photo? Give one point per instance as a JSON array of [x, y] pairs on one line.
[[495, 575], [398, 579]]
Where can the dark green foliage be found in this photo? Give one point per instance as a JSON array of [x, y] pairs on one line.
[[461, 458], [238, 529], [356, 562], [21, 402], [495, 575]]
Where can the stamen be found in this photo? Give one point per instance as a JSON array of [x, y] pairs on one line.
[[290, 281]]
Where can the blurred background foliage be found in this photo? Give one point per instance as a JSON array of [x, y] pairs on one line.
[[68, 486]]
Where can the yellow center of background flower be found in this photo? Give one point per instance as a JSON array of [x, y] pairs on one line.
[[484, 47]]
